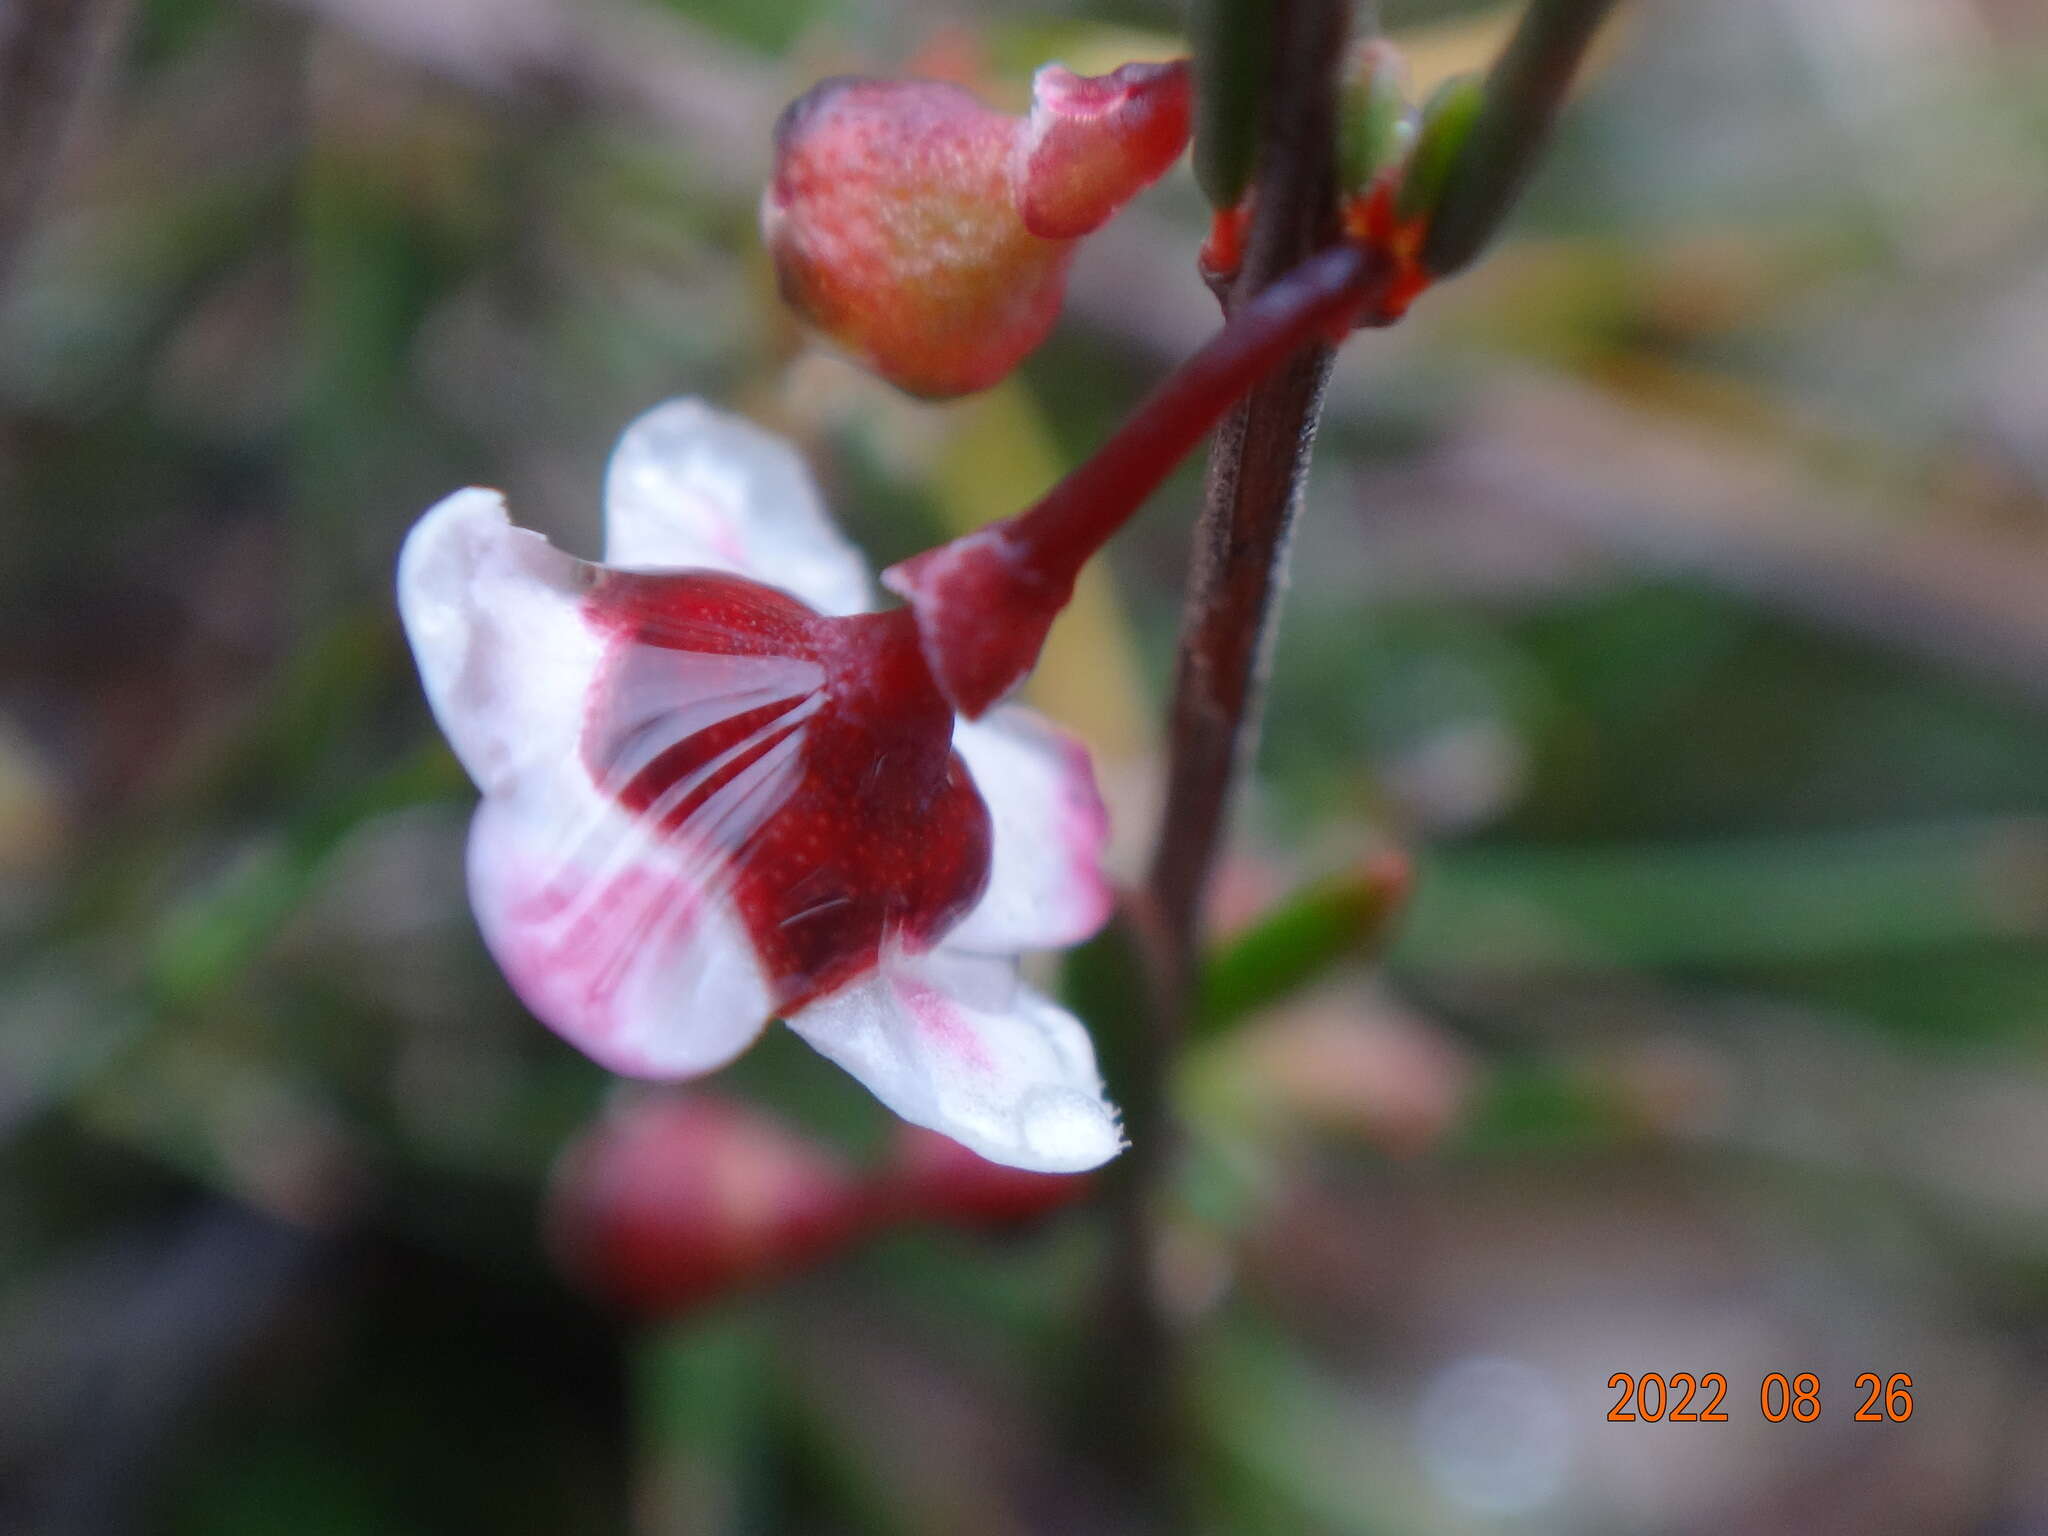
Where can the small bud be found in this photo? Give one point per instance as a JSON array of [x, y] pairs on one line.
[[930, 236], [1375, 124], [1447, 121], [671, 1202], [931, 1177]]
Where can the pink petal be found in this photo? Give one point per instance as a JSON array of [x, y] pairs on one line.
[[693, 488], [617, 931], [1046, 888], [616, 942], [494, 614], [957, 1044], [1094, 142]]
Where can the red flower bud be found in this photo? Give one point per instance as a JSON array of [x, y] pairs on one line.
[[930, 236], [670, 1202], [930, 1177]]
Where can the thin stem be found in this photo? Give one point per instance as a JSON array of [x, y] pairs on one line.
[[1524, 90], [1079, 515], [1255, 471]]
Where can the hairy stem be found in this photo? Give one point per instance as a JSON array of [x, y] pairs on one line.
[[1256, 467], [1255, 472]]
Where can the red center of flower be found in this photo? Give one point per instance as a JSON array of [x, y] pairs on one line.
[[804, 761]]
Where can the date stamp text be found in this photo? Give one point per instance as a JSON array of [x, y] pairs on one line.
[[1683, 1398]]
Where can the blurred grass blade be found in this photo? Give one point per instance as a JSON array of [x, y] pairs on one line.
[[1529, 1105], [1339, 919], [1734, 902], [208, 940], [702, 1395]]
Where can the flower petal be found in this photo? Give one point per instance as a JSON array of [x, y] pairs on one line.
[[1046, 887], [494, 614], [612, 938], [691, 487], [956, 1043]]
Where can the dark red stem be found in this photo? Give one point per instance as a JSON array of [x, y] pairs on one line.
[[984, 602], [1064, 528]]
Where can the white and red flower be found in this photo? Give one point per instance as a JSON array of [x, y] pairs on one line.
[[718, 790]]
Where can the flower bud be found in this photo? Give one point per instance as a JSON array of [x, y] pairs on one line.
[[671, 1202], [1447, 120], [1374, 123], [931, 1177], [930, 236]]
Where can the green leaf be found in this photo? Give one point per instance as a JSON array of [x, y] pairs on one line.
[[1730, 903], [1297, 942], [1233, 54], [1447, 121]]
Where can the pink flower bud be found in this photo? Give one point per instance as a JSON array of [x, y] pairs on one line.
[[931, 1177], [930, 236], [668, 1203]]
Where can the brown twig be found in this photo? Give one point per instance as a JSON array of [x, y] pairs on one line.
[[1254, 481], [48, 50]]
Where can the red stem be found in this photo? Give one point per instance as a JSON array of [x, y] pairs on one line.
[[1058, 534]]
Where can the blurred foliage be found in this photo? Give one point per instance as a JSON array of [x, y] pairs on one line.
[[1671, 588]]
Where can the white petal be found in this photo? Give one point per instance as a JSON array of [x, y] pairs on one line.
[[956, 1043], [615, 925], [1046, 887], [614, 941], [494, 614], [690, 486]]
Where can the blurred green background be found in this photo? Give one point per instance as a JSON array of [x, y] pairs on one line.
[[1674, 588]]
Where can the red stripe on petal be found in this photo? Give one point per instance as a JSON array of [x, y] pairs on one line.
[[838, 818]]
